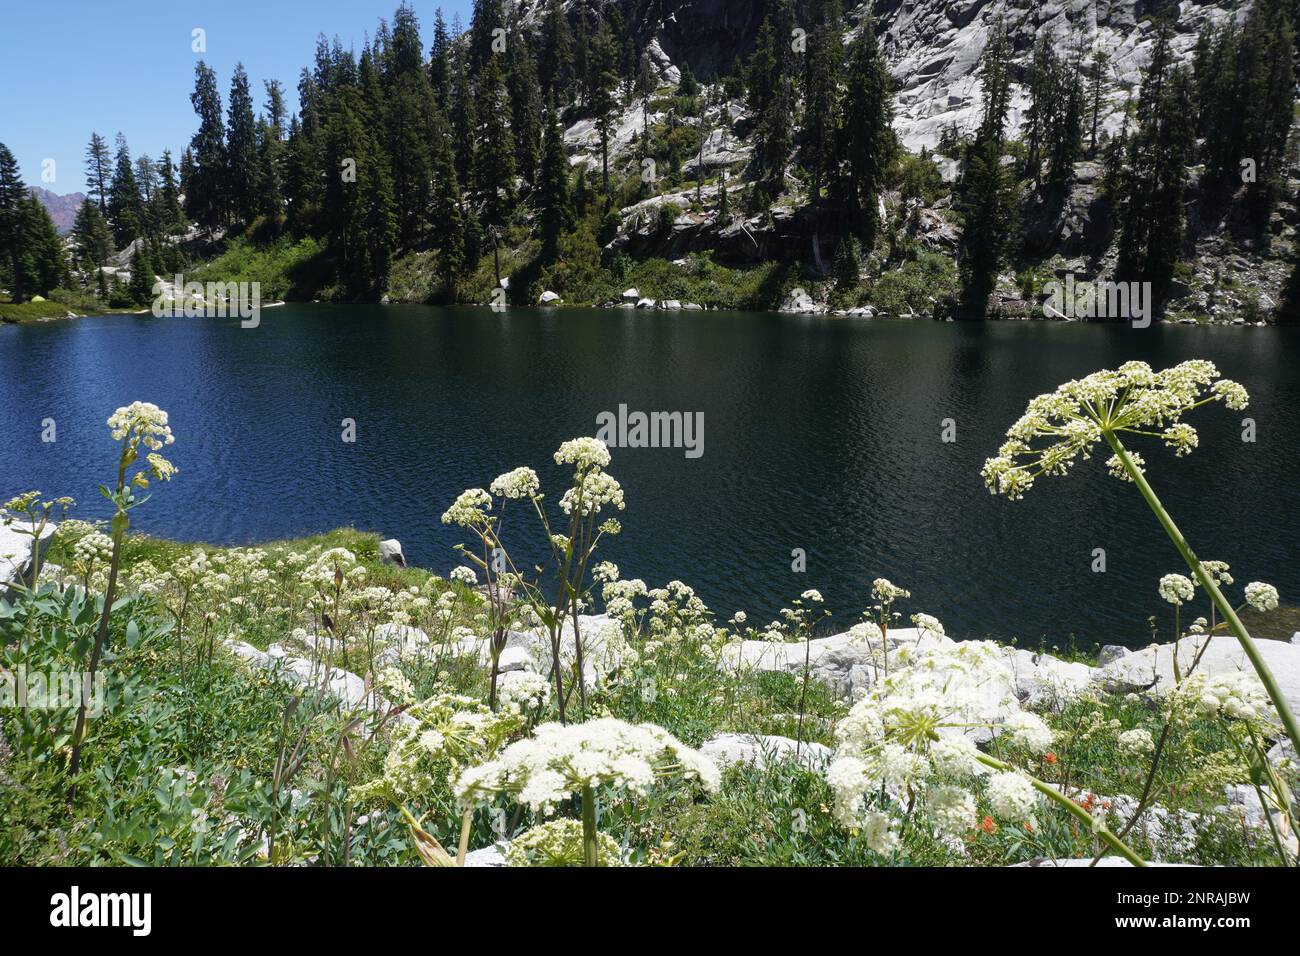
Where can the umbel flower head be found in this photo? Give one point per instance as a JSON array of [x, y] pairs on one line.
[[143, 423], [558, 761], [1058, 428]]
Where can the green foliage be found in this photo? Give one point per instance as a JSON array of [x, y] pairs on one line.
[[286, 268]]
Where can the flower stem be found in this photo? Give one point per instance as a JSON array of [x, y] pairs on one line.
[[589, 845], [1206, 581], [1114, 842]]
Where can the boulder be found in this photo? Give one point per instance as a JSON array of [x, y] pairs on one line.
[[547, 298], [645, 303], [759, 750], [16, 549], [1152, 668], [1041, 679], [1111, 652], [390, 552], [631, 295]]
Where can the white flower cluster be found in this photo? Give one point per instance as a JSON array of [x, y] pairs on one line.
[[519, 483], [585, 453], [1177, 589], [1136, 743], [144, 423], [445, 733], [520, 691], [464, 575], [469, 509], [559, 761], [1237, 694], [907, 738], [1059, 427], [559, 843], [1261, 596]]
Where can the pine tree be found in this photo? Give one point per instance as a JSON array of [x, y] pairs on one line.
[[272, 156], [168, 197], [13, 270], [556, 58], [1098, 85], [771, 101], [554, 207], [496, 168], [205, 193], [447, 221], [866, 132], [140, 288], [440, 62], [464, 123], [241, 149], [1154, 182], [848, 263], [603, 82], [987, 192], [821, 95], [408, 110], [45, 248], [99, 172], [91, 237], [125, 211], [359, 208], [525, 109]]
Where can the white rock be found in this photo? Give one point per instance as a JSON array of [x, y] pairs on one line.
[[390, 552], [547, 297], [1041, 679], [16, 548], [631, 295], [1153, 668], [645, 303]]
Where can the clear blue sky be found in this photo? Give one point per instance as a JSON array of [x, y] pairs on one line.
[[68, 67]]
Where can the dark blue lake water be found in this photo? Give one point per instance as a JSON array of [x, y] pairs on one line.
[[820, 434]]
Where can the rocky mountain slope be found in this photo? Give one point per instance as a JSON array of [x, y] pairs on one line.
[[62, 209], [934, 51]]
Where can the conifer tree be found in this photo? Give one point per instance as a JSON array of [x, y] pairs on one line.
[[241, 149], [440, 62], [12, 224], [448, 223], [604, 80], [125, 210], [821, 96], [525, 107], [866, 132], [1154, 182], [99, 172], [205, 191], [140, 288], [496, 170], [91, 237], [408, 111], [555, 67], [987, 192], [553, 185]]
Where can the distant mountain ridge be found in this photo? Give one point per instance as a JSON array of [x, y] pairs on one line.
[[62, 209]]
